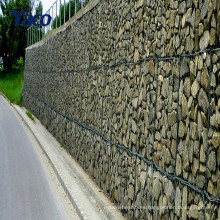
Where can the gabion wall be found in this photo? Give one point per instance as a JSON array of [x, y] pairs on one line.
[[132, 91]]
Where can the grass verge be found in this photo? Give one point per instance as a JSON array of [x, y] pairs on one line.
[[12, 85]]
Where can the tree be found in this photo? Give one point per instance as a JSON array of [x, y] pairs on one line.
[[39, 9], [12, 39]]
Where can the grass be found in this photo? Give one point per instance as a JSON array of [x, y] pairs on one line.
[[12, 85], [30, 115]]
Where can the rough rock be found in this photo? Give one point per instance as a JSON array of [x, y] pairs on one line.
[[203, 100], [216, 139], [178, 202], [195, 88], [204, 40], [212, 161]]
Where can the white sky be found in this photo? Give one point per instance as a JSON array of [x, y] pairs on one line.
[[46, 5]]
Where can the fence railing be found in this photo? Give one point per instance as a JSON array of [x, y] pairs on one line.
[[61, 11]]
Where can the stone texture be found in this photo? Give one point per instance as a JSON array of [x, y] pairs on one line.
[[216, 139], [195, 88], [203, 100], [204, 41], [212, 161], [119, 102]]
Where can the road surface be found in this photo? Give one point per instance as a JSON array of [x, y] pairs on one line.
[[26, 189]]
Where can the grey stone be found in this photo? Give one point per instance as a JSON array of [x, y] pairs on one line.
[[172, 118], [194, 131], [195, 88], [134, 126], [185, 110], [200, 126], [200, 181], [202, 154], [193, 18], [187, 87], [196, 148], [156, 188], [165, 87], [184, 68], [178, 201], [217, 91], [181, 129], [182, 7], [205, 8], [184, 203], [178, 165], [195, 166], [218, 157], [204, 40], [193, 212], [216, 139], [212, 161], [131, 192], [203, 100], [205, 79], [186, 161], [143, 176], [135, 102], [201, 29]]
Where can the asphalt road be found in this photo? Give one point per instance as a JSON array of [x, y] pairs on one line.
[[26, 191]]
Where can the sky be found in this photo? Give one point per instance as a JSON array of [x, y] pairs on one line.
[[46, 5]]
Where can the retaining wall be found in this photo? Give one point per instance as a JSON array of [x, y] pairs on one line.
[[132, 90]]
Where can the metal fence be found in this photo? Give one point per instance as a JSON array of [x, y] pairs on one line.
[[61, 11]]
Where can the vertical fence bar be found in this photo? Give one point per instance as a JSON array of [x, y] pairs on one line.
[[56, 14], [36, 34], [27, 37], [60, 12], [38, 31], [75, 6], [43, 30], [31, 35], [52, 18], [64, 12], [81, 4], [69, 9]]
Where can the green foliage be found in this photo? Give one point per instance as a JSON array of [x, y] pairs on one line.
[[39, 9], [19, 68], [12, 39], [11, 84], [30, 115]]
